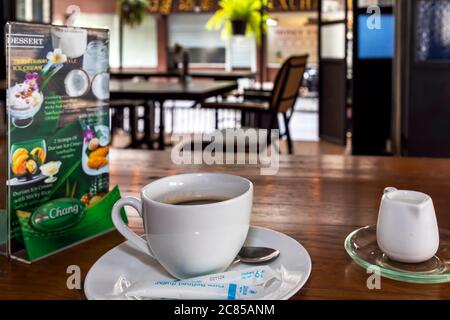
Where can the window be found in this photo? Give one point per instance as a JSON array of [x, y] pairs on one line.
[[140, 47], [333, 41], [333, 10], [292, 34], [206, 47], [433, 30], [33, 10], [242, 53]]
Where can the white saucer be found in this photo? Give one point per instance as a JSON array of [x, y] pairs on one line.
[[127, 261]]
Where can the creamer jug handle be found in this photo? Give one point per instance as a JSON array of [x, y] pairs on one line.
[[389, 189]]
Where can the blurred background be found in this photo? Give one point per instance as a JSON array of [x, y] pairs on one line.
[[376, 80]]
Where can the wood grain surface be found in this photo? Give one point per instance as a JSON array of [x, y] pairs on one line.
[[316, 200]]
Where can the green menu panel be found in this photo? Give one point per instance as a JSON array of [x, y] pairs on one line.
[[58, 138]]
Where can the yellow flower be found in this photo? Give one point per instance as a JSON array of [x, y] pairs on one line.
[[56, 57]]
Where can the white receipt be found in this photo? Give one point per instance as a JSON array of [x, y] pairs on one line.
[[246, 284]]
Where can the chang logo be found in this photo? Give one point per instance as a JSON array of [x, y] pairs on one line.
[[61, 212], [58, 215]]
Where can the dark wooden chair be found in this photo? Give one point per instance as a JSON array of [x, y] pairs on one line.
[[260, 109]]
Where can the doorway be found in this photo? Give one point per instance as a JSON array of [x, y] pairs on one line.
[[334, 69]]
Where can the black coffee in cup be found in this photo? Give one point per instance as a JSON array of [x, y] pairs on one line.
[[195, 200]]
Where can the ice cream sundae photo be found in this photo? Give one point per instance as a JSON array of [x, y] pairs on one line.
[[25, 99]]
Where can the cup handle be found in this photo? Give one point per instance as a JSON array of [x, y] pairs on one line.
[[123, 228]]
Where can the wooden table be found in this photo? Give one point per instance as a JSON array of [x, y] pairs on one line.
[[218, 75], [316, 200], [160, 92]]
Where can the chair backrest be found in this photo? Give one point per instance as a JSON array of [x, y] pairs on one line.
[[287, 83]]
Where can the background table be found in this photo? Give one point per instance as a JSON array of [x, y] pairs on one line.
[[160, 92], [215, 75], [316, 200]]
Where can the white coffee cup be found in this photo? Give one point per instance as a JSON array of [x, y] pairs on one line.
[[71, 41], [407, 229], [191, 240]]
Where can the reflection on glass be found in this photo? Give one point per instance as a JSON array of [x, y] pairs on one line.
[[433, 30], [96, 58]]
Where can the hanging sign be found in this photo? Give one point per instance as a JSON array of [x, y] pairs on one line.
[[168, 6]]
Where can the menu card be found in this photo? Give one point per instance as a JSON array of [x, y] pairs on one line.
[[58, 138]]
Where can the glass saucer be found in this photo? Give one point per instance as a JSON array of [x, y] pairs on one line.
[[362, 247]]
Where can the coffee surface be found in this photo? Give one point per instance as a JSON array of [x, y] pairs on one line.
[[196, 200]]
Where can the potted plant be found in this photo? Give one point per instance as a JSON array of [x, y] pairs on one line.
[[132, 12], [239, 27], [239, 17]]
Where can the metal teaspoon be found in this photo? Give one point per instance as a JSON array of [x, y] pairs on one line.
[[254, 255]]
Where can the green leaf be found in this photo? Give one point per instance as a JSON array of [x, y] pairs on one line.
[[50, 75], [67, 189], [247, 10], [132, 12], [74, 189]]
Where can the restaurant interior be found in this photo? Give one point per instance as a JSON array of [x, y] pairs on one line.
[[356, 92]]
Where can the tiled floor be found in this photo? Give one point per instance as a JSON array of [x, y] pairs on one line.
[[304, 123]]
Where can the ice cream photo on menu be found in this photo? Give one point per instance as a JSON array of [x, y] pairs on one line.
[[25, 99]]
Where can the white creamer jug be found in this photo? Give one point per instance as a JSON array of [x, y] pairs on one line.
[[407, 229]]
